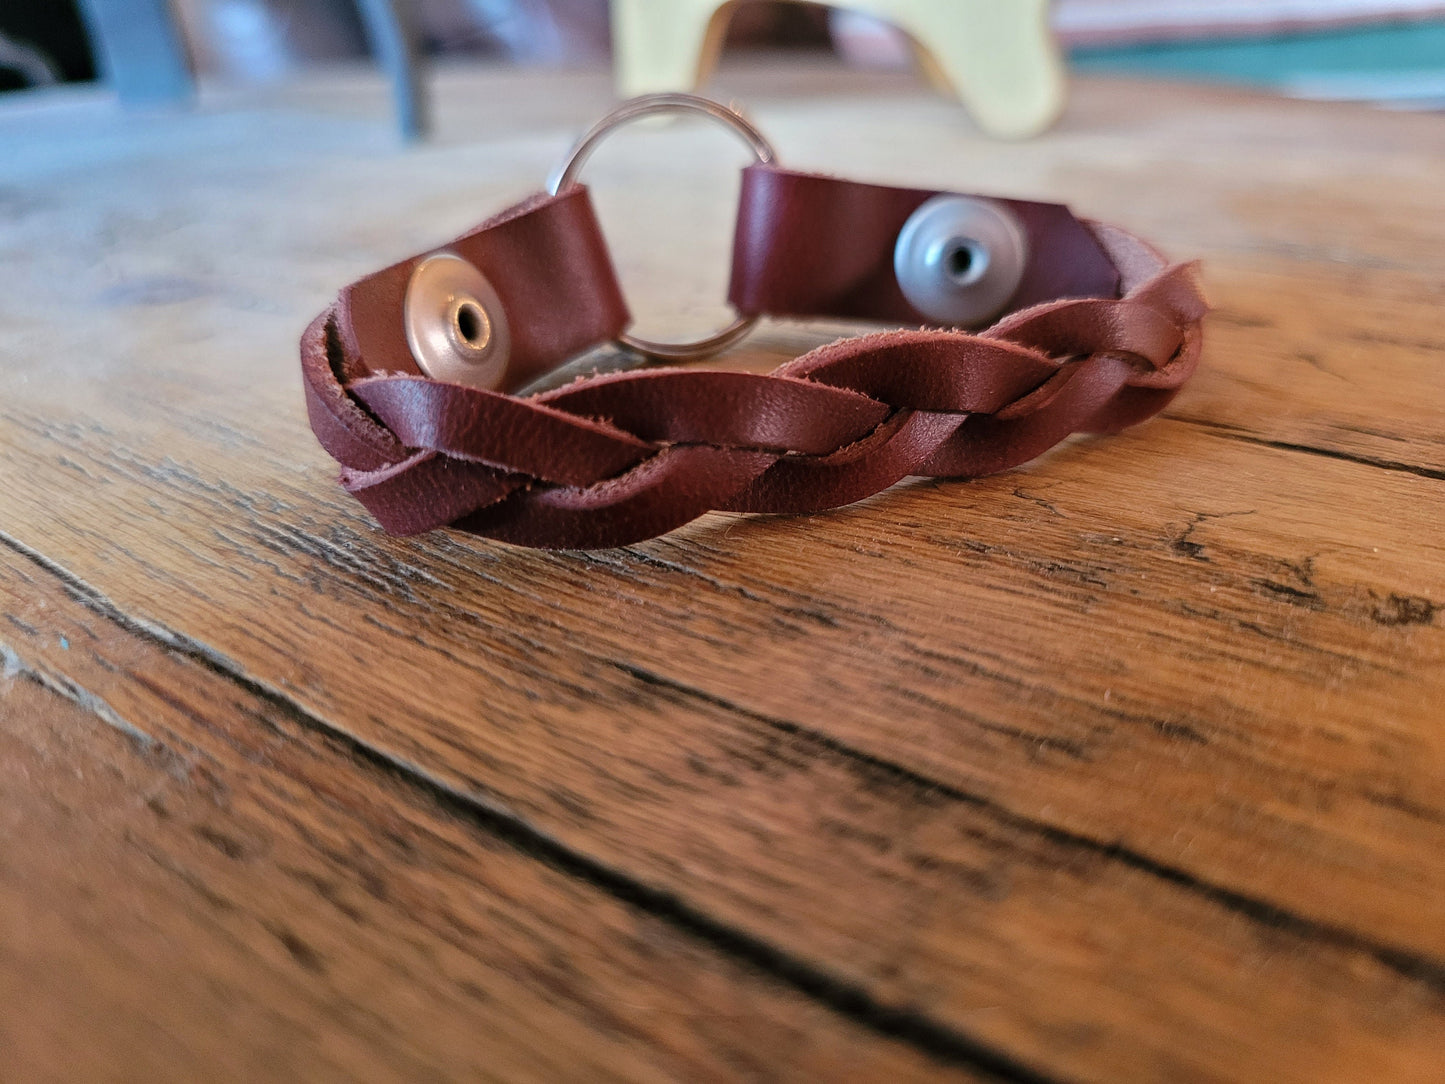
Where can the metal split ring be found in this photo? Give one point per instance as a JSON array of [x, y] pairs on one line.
[[651, 105]]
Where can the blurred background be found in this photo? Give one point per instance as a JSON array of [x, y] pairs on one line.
[[1386, 51]]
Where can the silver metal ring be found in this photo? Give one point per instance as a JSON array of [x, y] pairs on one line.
[[565, 175]]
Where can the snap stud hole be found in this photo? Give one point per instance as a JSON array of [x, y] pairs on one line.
[[455, 324], [470, 323], [966, 260]]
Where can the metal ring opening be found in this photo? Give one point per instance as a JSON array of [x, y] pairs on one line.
[[568, 169]]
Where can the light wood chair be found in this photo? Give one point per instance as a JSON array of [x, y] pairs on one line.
[[998, 56]]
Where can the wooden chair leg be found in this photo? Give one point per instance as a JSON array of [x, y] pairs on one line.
[[670, 45], [391, 30], [998, 56], [1000, 59], [140, 50], [143, 55]]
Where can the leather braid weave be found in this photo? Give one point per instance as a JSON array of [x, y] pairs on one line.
[[617, 458]]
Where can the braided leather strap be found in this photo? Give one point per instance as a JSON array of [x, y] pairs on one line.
[[617, 458]]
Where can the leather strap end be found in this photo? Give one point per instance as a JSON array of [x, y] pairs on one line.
[[551, 270], [809, 245]]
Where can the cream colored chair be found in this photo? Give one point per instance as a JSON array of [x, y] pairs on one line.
[[998, 56]]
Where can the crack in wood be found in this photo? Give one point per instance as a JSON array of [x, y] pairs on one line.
[[1415, 966], [1186, 547], [1230, 432], [1396, 609], [12, 666]]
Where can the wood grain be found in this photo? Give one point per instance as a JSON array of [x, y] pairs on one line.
[[1122, 766], [198, 884]]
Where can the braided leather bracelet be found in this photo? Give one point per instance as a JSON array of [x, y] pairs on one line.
[[406, 373]]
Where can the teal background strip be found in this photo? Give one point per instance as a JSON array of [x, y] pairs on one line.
[[1281, 59]]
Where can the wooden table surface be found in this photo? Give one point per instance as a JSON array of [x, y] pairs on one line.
[[1127, 765]]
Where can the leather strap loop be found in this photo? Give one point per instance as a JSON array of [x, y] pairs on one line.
[[518, 435], [742, 410]]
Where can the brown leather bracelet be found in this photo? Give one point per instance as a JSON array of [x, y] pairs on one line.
[[1097, 333]]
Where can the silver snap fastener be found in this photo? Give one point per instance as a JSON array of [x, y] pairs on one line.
[[455, 324], [959, 259]]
